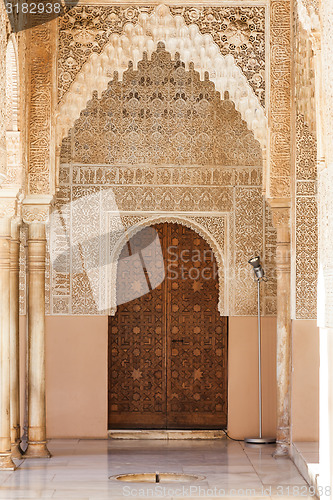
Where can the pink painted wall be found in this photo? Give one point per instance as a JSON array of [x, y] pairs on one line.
[[305, 381], [243, 415], [76, 377]]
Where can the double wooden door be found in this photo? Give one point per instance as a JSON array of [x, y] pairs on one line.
[[168, 347]]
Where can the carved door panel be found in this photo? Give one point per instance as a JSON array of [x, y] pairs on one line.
[[196, 336], [137, 350], [168, 348]]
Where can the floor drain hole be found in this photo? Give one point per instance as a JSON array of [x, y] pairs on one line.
[[157, 477]]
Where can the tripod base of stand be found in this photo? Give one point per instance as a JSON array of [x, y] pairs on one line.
[[258, 440]]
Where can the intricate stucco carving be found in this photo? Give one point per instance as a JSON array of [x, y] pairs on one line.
[[306, 221], [214, 186], [13, 136], [144, 36], [211, 228], [12, 91], [8, 206], [162, 114], [239, 31], [239, 240], [281, 216], [3, 42], [36, 209], [280, 100], [41, 54]]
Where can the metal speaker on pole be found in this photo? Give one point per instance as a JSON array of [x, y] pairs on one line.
[[259, 276]]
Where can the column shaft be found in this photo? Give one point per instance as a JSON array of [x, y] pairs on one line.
[[14, 341], [36, 342], [283, 340], [6, 462]]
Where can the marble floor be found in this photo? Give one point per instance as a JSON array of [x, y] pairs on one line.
[[81, 469], [306, 457]]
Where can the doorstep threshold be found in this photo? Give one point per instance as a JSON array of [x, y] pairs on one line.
[[165, 434]]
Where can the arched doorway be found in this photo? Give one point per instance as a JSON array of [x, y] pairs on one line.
[[168, 347]]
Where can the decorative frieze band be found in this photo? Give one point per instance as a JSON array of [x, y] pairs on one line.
[[280, 100]]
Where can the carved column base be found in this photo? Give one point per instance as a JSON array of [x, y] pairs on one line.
[[282, 451], [282, 442], [37, 450], [6, 463], [16, 450]]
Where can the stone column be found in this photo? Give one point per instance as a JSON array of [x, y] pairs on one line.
[[6, 462], [14, 340], [324, 104], [281, 220], [36, 342]]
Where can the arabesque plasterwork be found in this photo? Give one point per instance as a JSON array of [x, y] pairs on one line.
[[305, 185], [143, 37], [239, 234], [306, 221], [168, 146], [3, 121], [236, 31], [162, 114], [278, 181], [239, 31], [41, 43]]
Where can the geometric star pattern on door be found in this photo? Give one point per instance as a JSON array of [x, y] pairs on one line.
[[168, 348]]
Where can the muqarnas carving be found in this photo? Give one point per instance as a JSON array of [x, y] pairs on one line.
[[239, 31], [171, 147], [162, 114]]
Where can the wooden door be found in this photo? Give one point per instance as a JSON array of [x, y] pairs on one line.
[[168, 348]]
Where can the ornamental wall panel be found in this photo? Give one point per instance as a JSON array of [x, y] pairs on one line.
[[305, 185], [216, 190], [218, 52], [3, 118], [41, 43], [306, 222], [238, 30], [280, 168]]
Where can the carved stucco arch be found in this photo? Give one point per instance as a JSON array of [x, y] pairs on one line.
[[192, 46], [188, 221]]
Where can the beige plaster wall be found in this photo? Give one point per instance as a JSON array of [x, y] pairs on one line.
[[305, 381], [243, 415]]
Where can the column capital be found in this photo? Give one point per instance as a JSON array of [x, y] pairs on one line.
[[8, 203], [5, 227], [36, 209], [281, 210]]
